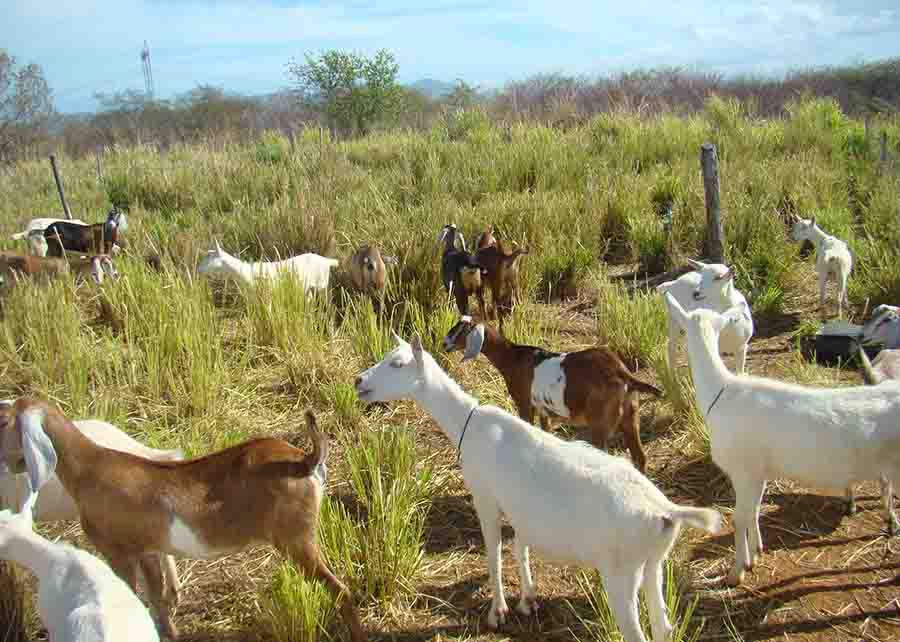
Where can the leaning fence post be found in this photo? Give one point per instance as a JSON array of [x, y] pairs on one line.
[[715, 235], [59, 187], [100, 163]]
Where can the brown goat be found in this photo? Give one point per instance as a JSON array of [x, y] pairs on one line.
[[591, 388], [486, 238], [15, 265], [132, 509], [501, 276], [367, 270]]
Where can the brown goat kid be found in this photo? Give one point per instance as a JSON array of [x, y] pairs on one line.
[[501, 276], [367, 270], [15, 265], [590, 388], [132, 509]]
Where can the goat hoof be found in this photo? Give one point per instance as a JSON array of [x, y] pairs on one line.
[[527, 606], [735, 577], [497, 617]]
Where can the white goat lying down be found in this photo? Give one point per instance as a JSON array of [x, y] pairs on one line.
[[570, 501], [833, 257], [79, 597], [54, 504], [710, 287], [763, 429], [883, 327], [313, 270]]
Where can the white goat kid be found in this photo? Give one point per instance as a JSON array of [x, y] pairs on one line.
[[79, 597], [833, 258], [313, 270], [572, 502], [710, 287], [763, 429]]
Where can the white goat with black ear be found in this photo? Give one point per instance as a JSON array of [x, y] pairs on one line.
[[763, 429], [833, 257], [574, 503], [710, 287], [79, 597]]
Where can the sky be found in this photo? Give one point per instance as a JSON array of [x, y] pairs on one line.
[[88, 46]]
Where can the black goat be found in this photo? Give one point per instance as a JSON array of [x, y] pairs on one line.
[[98, 238], [460, 272]]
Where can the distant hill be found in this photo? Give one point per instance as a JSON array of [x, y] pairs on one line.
[[433, 88]]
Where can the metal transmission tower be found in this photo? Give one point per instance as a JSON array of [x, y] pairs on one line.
[[148, 71]]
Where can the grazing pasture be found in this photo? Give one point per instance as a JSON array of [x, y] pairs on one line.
[[181, 361]]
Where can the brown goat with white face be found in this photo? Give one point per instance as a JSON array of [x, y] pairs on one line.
[[486, 238], [132, 509], [590, 388]]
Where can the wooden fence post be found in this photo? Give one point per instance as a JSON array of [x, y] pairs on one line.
[[884, 152], [59, 187], [715, 234], [100, 163]]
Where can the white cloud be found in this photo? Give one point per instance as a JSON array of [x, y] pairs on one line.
[[85, 45]]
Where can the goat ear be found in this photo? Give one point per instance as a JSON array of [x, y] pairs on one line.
[[474, 341], [813, 219], [218, 246], [40, 456], [398, 339], [675, 309], [697, 265], [443, 234], [417, 350]]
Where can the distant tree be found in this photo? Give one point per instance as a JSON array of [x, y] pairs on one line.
[[131, 116], [26, 105], [463, 95], [355, 91]]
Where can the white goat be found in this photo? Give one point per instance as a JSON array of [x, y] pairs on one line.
[[79, 597], [710, 287], [763, 429], [832, 257], [568, 500], [54, 504], [883, 327], [313, 270]]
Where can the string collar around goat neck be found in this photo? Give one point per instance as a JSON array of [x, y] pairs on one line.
[[465, 426], [714, 401]]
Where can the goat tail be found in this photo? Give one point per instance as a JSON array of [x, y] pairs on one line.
[[319, 440], [706, 519], [643, 386]]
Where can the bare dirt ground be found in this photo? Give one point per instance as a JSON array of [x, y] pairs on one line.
[[823, 576]]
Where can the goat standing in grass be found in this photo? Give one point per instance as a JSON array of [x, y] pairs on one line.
[[460, 273], [762, 429], [572, 502], [260, 491], [313, 270], [833, 258], [79, 598], [590, 388], [711, 287]]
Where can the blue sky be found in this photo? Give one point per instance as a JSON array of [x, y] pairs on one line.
[[94, 45]]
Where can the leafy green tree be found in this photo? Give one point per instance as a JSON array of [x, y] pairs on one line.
[[26, 105], [353, 90]]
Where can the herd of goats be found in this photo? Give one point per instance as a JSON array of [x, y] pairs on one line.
[[570, 500]]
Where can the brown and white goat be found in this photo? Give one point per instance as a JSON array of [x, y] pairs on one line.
[[132, 508], [501, 275], [590, 388], [15, 265]]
